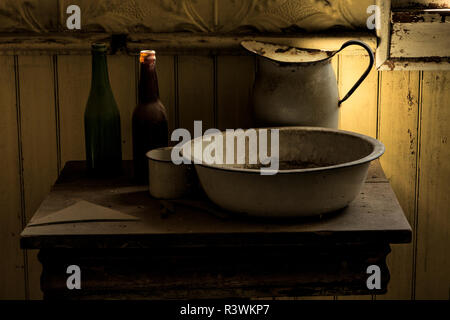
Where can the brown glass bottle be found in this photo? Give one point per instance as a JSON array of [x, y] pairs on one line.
[[150, 129]]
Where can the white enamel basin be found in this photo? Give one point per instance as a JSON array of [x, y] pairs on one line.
[[321, 170]]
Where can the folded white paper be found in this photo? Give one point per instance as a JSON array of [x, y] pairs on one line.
[[82, 211]]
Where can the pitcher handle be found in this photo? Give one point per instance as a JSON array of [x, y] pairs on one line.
[[365, 74]]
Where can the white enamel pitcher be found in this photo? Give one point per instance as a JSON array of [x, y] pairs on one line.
[[297, 87]]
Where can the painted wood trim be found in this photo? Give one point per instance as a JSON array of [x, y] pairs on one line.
[[172, 43], [420, 4], [428, 64], [420, 40], [383, 33], [413, 39]]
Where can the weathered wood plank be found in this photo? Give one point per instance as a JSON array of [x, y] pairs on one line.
[[74, 79], [399, 96], [39, 142], [359, 112], [235, 77], [12, 277], [196, 91], [433, 237]]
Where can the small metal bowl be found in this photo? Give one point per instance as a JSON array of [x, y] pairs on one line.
[[166, 179]]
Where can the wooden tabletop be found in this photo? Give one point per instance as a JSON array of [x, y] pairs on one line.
[[374, 217]]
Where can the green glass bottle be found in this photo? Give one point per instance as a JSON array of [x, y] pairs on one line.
[[102, 121]]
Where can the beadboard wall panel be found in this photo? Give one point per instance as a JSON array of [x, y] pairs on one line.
[[196, 92], [359, 112], [12, 275], [433, 225], [39, 141], [398, 130], [235, 77], [216, 89], [122, 75], [166, 66], [74, 79]]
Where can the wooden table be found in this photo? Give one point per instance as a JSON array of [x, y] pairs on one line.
[[190, 249]]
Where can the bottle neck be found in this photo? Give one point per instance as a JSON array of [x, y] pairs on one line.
[[100, 78], [148, 83]]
